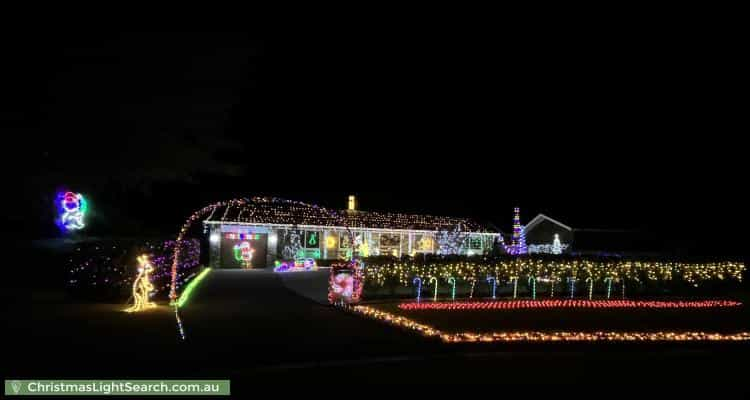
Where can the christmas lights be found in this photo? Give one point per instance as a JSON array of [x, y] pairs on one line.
[[494, 285], [591, 287], [142, 286], [473, 282], [609, 285], [185, 295], [572, 281], [180, 328], [307, 264], [264, 209], [436, 287], [556, 245], [73, 208], [243, 252], [532, 284], [515, 286], [537, 336], [545, 267], [418, 282], [345, 282], [546, 304], [452, 282]]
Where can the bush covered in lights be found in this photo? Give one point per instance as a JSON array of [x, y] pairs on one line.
[[105, 270], [384, 275]]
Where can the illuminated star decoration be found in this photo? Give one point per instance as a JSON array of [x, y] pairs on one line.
[[142, 286], [73, 208]]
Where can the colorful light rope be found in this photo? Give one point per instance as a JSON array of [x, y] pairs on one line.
[[537, 336], [600, 304], [307, 264], [73, 207], [185, 296]]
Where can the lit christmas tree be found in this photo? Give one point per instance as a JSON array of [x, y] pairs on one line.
[[556, 245], [518, 243]]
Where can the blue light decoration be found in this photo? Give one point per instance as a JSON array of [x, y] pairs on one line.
[[494, 285], [572, 286], [418, 282], [73, 208]]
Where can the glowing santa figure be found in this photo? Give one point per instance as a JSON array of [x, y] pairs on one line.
[[243, 253]]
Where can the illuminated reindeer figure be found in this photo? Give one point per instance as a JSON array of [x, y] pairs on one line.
[[142, 286]]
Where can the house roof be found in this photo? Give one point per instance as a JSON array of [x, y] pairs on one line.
[[277, 211], [541, 217]]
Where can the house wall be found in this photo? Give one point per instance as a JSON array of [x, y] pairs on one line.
[[544, 233]]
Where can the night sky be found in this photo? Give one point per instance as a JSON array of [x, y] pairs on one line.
[[625, 131]]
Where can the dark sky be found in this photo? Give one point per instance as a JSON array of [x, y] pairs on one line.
[[626, 130]]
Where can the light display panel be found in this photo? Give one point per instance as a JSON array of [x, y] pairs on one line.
[[243, 250]]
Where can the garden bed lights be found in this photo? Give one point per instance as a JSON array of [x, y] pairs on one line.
[[599, 304], [538, 336]]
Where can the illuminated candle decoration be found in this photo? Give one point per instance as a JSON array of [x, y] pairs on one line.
[[538, 336], [243, 252], [494, 285], [452, 281], [570, 304], [142, 286], [418, 282], [73, 208]]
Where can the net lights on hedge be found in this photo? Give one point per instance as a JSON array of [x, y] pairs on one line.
[[73, 208], [537, 336], [142, 287], [546, 304]]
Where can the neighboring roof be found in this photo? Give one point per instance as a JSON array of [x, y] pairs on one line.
[[262, 211], [541, 217]]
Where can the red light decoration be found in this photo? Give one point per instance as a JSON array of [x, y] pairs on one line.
[[538, 336], [532, 304]]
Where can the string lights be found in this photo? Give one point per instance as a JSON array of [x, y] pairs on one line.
[[537, 336], [402, 271], [546, 304], [494, 285]]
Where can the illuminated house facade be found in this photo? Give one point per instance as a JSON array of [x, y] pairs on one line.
[[258, 233]]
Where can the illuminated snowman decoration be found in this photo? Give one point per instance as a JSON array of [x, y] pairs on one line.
[[243, 253], [73, 208]]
